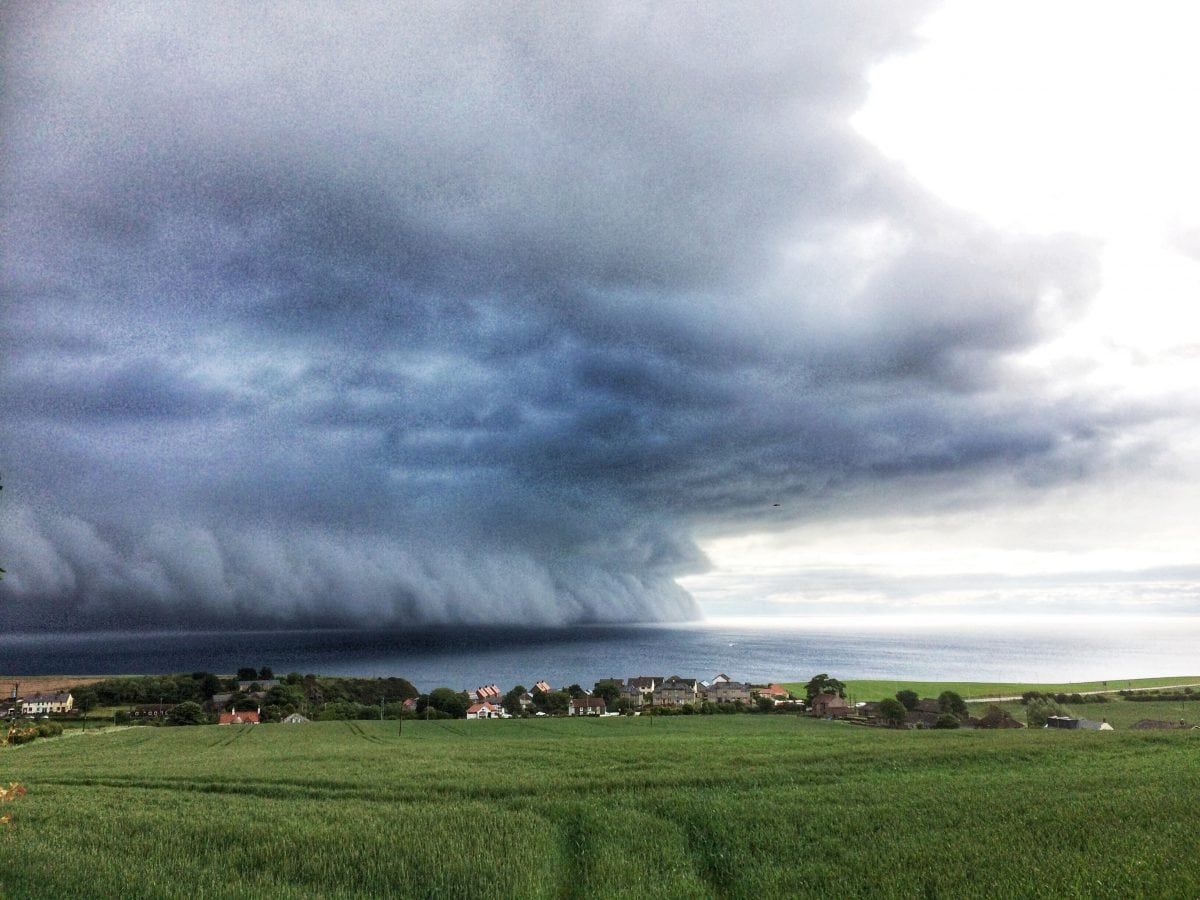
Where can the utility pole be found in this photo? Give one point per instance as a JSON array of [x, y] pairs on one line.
[[380, 709]]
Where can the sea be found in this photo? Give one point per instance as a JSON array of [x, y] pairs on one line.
[[1042, 649]]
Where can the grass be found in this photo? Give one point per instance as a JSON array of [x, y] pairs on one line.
[[723, 806], [874, 689]]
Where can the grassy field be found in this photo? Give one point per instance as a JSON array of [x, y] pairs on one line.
[[723, 806], [869, 689]]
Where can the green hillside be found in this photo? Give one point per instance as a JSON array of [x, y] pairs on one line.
[[721, 806]]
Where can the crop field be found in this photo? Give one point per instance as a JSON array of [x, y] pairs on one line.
[[872, 689], [720, 806]]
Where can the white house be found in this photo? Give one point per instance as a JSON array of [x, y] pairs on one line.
[[43, 704], [483, 711]]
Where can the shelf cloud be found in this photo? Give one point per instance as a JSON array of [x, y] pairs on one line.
[[379, 314]]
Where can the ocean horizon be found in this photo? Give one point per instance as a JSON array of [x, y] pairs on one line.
[[982, 649]]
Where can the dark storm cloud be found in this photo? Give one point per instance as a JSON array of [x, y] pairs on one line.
[[371, 313]]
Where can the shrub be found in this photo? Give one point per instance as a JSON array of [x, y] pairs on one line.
[[187, 713], [947, 720]]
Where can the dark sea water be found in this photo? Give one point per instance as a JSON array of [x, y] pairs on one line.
[[1061, 649]]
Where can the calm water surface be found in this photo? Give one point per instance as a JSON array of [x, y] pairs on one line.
[[966, 649]]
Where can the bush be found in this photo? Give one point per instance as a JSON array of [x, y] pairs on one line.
[[952, 703], [187, 713], [908, 698], [947, 720]]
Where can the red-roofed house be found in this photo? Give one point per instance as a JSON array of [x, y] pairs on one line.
[[489, 693], [245, 717], [774, 691], [482, 711], [543, 687]]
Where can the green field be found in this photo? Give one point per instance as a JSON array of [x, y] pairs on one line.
[[871, 689], [712, 806]]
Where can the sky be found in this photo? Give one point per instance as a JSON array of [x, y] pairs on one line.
[[366, 314]]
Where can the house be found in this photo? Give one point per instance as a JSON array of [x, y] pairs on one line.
[[242, 717], [644, 686], [483, 711], [675, 691], [720, 679], [293, 719], [543, 687], [45, 704], [773, 691], [727, 692], [489, 693], [829, 705], [587, 706], [409, 705]]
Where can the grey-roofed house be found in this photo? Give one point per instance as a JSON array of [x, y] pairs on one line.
[[675, 691], [727, 692]]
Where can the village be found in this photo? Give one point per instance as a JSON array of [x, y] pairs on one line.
[[255, 696]]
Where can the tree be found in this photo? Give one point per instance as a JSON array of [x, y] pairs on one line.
[[265, 673], [512, 700], [823, 684], [609, 691], [208, 684], [892, 712], [765, 704], [576, 692], [247, 673], [908, 698], [947, 720], [952, 703], [86, 699], [449, 702], [187, 713], [558, 701]]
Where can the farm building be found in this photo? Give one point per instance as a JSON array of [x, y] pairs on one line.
[[294, 719]]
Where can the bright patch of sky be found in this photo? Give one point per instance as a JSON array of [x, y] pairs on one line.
[[1038, 118]]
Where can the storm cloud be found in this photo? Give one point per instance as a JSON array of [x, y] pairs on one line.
[[377, 314]]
